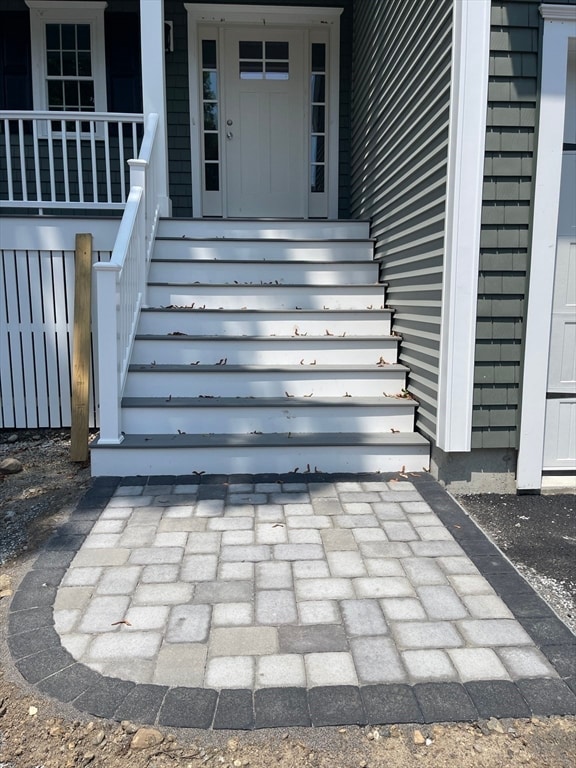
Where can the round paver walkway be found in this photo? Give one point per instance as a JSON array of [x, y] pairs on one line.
[[258, 601]]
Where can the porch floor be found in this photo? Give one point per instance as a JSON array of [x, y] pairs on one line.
[[265, 601]]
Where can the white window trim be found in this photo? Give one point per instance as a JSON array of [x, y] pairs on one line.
[[43, 12], [294, 16], [466, 142], [559, 29]]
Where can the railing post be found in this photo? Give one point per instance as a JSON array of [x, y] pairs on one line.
[[138, 178], [107, 276]]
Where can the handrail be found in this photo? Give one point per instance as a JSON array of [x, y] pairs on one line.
[[67, 159], [121, 283]]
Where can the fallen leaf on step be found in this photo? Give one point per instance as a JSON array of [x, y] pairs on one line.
[[122, 621]]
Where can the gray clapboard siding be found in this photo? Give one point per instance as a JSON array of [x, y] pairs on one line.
[[506, 214], [401, 100]]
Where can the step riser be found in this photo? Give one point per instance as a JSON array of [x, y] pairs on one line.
[[278, 297], [245, 420], [291, 273], [254, 352], [249, 323], [250, 384], [234, 460], [263, 230], [246, 250]]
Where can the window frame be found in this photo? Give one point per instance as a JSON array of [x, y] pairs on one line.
[[90, 12]]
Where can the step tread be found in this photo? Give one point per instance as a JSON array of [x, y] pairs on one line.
[[181, 336], [266, 402], [316, 286], [179, 368], [354, 264], [260, 240], [278, 312], [271, 439]]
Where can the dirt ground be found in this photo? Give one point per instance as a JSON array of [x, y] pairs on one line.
[[36, 732]]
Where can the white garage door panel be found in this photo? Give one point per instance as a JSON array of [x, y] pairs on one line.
[[560, 443]]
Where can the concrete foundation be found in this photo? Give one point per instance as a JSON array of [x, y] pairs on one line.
[[479, 471]]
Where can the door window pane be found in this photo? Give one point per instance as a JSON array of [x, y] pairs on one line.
[[263, 61], [318, 118]]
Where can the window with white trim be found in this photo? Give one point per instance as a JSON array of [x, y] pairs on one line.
[[68, 56]]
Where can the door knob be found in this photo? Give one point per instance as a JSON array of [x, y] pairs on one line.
[[229, 134]]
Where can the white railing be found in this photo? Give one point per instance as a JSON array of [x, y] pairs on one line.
[[121, 283], [66, 159]]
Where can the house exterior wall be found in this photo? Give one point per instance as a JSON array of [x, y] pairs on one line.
[[401, 104]]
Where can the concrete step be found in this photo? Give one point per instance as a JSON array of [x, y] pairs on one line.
[[224, 272], [262, 249], [264, 350], [174, 454], [264, 381], [266, 297], [266, 322], [252, 415], [265, 229]]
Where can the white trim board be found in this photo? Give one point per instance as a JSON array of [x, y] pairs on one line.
[[467, 135], [45, 233], [294, 16], [559, 28]]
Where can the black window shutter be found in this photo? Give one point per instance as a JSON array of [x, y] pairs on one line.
[[123, 67], [15, 61]]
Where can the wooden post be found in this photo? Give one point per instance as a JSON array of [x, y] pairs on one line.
[[81, 348]]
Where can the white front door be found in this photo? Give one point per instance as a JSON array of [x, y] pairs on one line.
[[265, 108]]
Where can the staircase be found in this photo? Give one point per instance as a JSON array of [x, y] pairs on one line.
[[265, 346]]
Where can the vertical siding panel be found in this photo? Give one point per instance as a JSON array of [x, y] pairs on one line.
[[14, 340], [26, 332], [38, 340], [401, 103], [6, 388]]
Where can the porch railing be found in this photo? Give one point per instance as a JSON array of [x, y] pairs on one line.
[[66, 159], [121, 283]]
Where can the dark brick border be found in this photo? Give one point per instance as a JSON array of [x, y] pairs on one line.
[[42, 661]]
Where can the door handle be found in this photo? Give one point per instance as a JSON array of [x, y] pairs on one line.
[[229, 135]]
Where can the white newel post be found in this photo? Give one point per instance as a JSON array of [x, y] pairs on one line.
[[154, 87], [138, 173], [107, 276]]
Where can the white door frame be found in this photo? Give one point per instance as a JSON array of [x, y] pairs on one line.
[[254, 15], [559, 33]]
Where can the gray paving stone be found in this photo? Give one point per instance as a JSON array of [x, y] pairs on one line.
[[415, 507], [146, 617], [363, 617], [349, 487], [525, 662], [402, 609], [386, 586], [324, 589], [320, 638], [270, 513], [491, 632], [102, 612], [178, 523], [444, 702], [429, 665], [336, 705], [395, 703], [487, 607], [398, 530], [271, 533], [290, 498], [497, 698], [357, 508], [254, 553], [180, 664], [387, 510], [231, 524], [466, 584], [383, 567], [153, 574], [377, 660], [310, 569], [426, 634], [126, 668], [335, 540], [163, 594], [441, 602], [203, 542], [210, 592], [304, 536], [347, 564], [124, 645], [308, 521], [298, 552], [232, 614], [275, 607], [81, 577], [170, 539], [246, 497], [281, 707], [102, 540], [155, 555], [199, 568], [138, 536], [353, 521], [318, 612], [359, 496], [88, 558], [188, 708], [421, 571], [182, 512], [434, 533], [69, 683], [273, 575], [457, 565], [478, 664], [435, 548], [385, 549], [326, 506], [234, 711], [145, 516], [129, 501], [548, 697], [243, 641], [424, 521], [108, 526], [280, 670], [369, 534], [72, 598], [119, 581], [330, 669], [236, 571], [141, 704], [189, 624], [209, 508]]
